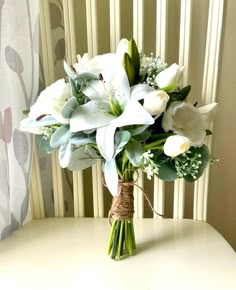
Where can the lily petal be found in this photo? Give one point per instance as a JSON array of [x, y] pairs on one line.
[[105, 141], [111, 177], [139, 91], [134, 114], [91, 115]]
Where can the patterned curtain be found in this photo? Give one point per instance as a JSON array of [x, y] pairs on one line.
[[19, 74]]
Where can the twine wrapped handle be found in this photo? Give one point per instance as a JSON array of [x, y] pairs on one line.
[[122, 207]]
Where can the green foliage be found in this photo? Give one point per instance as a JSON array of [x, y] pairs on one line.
[[44, 144], [179, 96], [134, 152], [203, 154], [129, 68]]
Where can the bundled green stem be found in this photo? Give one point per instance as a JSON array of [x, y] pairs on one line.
[[122, 239]]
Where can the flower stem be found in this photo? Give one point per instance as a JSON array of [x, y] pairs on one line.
[[122, 240]]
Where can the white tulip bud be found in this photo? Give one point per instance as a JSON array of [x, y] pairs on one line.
[[176, 145], [169, 76], [155, 102]]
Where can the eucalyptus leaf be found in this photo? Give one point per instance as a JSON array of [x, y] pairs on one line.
[[138, 129], [69, 107], [142, 137], [60, 136], [121, 139], [204, 152], [80, 159], [44, 144], [134, 152], [167, 171], [82, 139], [65, 154], [166, 165]]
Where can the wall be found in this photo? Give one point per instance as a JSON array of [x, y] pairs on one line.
[[222, 187]]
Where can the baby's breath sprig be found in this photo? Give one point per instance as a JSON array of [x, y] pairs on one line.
[[152, 66], [188, 164], [149, 167], [48, 131]]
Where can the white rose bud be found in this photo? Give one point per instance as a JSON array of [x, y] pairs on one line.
[[155, 102], [176, 145], [169, 76]]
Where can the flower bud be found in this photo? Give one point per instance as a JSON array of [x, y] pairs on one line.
[[176, 145], [169, 76], [155, 102]]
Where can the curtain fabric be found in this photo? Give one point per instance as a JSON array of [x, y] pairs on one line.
[[19, 74]]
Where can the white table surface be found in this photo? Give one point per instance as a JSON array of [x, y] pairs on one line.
[[70, 253]]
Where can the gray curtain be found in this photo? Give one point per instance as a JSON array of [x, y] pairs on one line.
[[19, 74]]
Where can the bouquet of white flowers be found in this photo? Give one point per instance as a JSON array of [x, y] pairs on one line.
[[128, 110]]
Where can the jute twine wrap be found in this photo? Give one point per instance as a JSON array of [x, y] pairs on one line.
[[122, 207]]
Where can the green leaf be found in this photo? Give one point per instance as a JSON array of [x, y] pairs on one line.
[[179, 96], [208, 132], [167, 172], [142, 137], [134, 55], [69, 107], [25, 112], [60, 136], [204, 152], [166, 166], [44, 144], [129, 68], [80, 159], [121, 139], [134, 152]]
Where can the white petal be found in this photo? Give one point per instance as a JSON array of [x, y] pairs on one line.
[[155, 102], [111, 176], [176, 145], [122, 48], [105, 141], [134, 114], [91, 115], [138, 92], [208, 113], [95, 91]]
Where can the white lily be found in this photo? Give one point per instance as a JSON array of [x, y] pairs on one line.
[[186, 120], [47, 108], [96, 64], [112, 106]]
